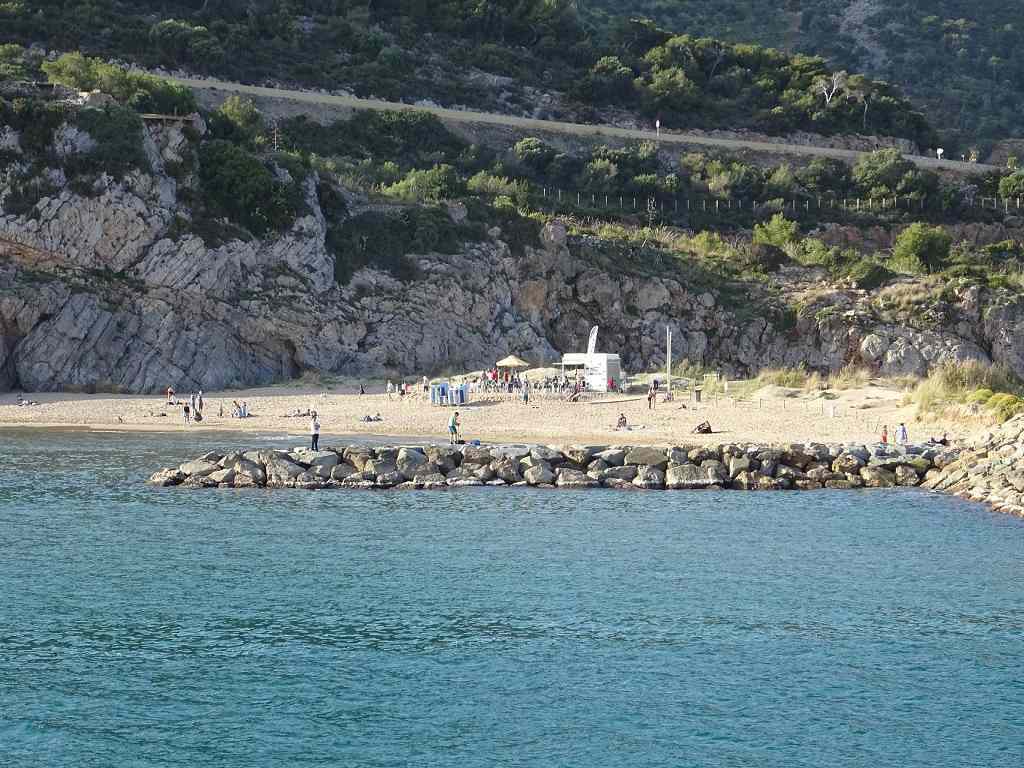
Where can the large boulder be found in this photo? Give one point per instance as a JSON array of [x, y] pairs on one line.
[[382, 466], [615, 457], [876, 477], [747, 480], [326, 459], [341, 472], [547, 454], [507, 469], [573, 478], [514, 452], [738, 464], [540, 474], [627, 473], [799, 456], [281, 472], [250, 469], [649, 477], [475, 454], [167, 477], [482, 472], [848, 462], [199, 468], [582, 454], [650, 457], [358, 457], [678, 456], [906, 476], [223, 476], [445, 458], [703, 453], [692, 477], [411, 462]]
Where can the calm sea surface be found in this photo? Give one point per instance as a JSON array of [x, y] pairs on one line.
[[144, 627]]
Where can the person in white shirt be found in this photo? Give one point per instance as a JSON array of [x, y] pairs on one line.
[[314, 432]]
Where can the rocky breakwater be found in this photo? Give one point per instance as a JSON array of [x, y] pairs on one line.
[[989, 470], [734, 466]]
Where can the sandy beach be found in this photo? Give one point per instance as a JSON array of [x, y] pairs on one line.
[[771, 414]]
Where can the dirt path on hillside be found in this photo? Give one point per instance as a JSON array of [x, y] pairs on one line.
[[578, 129]]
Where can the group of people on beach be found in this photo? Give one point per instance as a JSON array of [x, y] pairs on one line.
[[901, 436], [192, 408], [402, 389]]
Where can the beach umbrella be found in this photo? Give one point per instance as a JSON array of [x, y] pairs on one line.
[[512, 362]]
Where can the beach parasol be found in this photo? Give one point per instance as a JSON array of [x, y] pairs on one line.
[[512, 362]]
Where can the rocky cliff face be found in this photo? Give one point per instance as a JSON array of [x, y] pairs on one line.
[[98, 292]]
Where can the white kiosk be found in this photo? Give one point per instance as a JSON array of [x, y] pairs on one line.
[[597, 367]]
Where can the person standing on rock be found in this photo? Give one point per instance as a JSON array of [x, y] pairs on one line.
[[453, 427], [314, 432]]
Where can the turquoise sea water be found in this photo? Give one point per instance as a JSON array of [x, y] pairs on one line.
[[144, 627]]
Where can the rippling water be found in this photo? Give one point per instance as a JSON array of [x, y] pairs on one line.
[[144, 627]]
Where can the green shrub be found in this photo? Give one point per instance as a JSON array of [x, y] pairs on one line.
[[384, 241], [118, 135], [237, 184], [921, 249], [868, 275], [1004, 406], [140, 91], [439, 183], [1012, 186], [486, 185], [980, 396], [36, 121], [778, 231]]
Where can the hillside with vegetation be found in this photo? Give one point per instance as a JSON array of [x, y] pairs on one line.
[[527, 56], [961, 63], [224, 250]]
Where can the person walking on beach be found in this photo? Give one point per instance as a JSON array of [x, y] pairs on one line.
[[390, 389], [901, 434], [362, 389], [885, 434], [186, 412], [652, 396], [170, 395], [314, 432], [199, 402], [453, 427]]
